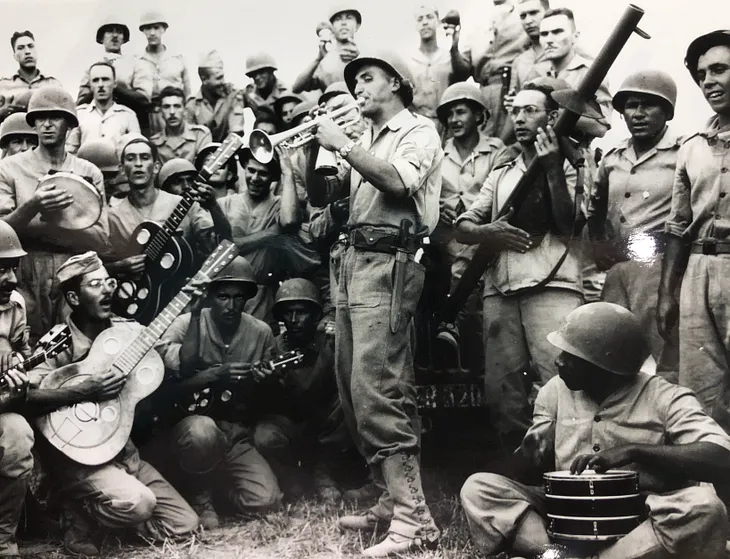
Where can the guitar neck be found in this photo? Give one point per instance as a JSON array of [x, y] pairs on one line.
[[158, 242], [34, 360]]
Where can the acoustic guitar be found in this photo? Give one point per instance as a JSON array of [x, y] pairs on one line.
[[54, 342], [203, 401], [169, 257], [93, 433]]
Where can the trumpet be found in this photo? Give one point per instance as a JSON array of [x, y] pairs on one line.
[[262, 145]]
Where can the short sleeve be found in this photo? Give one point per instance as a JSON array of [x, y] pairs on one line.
[[415, 155], [680, 216], [480, 211], [7, 191]]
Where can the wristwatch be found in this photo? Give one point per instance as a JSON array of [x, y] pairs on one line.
[[345, 150]]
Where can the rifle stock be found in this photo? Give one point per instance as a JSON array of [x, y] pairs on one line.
[[566, 122]]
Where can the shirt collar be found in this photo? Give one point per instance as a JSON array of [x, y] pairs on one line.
[[483, 146], [398, 121], [713, 130], [38, 77], [668, 140], [577, 62]]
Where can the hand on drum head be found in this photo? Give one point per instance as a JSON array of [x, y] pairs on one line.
[[604, 460], [48, 198]]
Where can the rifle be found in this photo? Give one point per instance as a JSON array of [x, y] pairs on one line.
[[585, 91]]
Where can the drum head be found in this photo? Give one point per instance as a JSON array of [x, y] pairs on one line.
[[590, 475], [87, 205]]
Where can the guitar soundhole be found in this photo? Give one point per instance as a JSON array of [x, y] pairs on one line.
[[167, 261], [145, 375], [132, 309], [143, 237], [111, 345], [126, 290], [108, 414], [226, 395], [143, 293], [86, 411]]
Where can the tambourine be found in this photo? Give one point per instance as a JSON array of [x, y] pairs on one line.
[[86, 208]]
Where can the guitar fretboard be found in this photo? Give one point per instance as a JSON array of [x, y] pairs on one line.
[[158, 242]]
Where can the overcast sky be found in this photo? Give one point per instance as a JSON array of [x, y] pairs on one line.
[[65, 31]]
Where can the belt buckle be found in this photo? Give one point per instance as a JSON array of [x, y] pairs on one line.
[[709, 248]]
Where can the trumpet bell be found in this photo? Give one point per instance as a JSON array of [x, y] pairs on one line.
[[261, 147]]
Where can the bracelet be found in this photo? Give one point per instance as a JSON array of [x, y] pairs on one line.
[[345, 150]]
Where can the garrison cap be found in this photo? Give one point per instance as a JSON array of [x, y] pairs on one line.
[[79, 265]]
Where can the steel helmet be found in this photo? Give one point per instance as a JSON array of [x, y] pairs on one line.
[[175, 166], [211, 148], [605, 334], [346, 7], [287, 96], [111, 21], [460, 92], [15, 125], [152, 17], [239, 270], [51, 99], [101, 153], [648, 82], [389, 61], [259, 61], [9, 242], [301, 110], [297, 289], [701, 45]]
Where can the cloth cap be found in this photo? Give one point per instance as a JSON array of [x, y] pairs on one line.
[[78, 265], [211, 59]]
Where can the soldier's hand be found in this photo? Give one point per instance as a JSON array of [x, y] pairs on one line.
[[203, 194], [604, 254], [340, 210], [504, 236], [262, 370], [48, 198], [8, 361], [103, 387], [509, 100], [349, 51], [539, 448], [239, 371], [130, 267], [329, 135], [667, 314], [285, 156], [604, 460], [548, 147]]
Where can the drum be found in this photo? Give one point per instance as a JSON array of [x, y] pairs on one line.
[[593, 507], [86, 208]]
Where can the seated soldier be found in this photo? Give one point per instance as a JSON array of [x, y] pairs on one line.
[[125, 492], [602, 413], [16, 436], [214, 352], [310, 386]]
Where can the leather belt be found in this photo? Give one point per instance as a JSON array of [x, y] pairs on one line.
[[377, 240], [710, 247]]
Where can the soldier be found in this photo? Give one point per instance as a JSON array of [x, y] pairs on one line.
[[24, 205], [225, 180], [284, 108], [215, 455], [217, 105], [698, 240], [469, 157], [178, 138], [332, 57], [531, 13], [28, 76], [103, 154], [430, 65], [310, 386], [631, 201], [125, 492], [535, 281], [646, 424], [113, 34], [16, 135], [103, 117], [395, 179], [163, 68], [260, 67]]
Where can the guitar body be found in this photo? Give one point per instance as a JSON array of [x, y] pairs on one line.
[[142, 299], [93, 433]]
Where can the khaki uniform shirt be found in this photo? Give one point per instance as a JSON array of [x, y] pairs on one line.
[[502, 42], [125, 217], [700, 201], [187, 146], [225, 117], [515, 270], [411, 144], [431, 75], [168, 71], [19, 176], [17, 84], [634, 195], [129, 70], [254, 100], [649, 410], [526, 66], [117, 121], [13, 325]]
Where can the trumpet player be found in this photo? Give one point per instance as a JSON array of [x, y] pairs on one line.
[[395, 181]]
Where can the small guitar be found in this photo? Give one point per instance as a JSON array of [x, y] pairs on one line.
[[54, 342], [169, 257], [93, 433], [203, 401]]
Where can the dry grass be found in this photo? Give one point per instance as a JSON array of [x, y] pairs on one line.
[[306, 530]]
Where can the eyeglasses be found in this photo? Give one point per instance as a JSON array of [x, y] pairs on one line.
[[109, 283], [530, 110]]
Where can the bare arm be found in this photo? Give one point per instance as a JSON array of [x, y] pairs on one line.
[[305, 80], [289, 214]]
